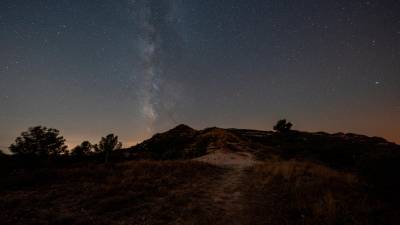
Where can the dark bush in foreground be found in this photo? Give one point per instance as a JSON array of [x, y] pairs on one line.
[[293, 192], [82, 151], [107, 145], [39, 142], [381, 170]]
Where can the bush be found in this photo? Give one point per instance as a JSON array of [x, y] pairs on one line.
[[107, 145], [39, 142], [83, 150], [283, 126], [381, 172]]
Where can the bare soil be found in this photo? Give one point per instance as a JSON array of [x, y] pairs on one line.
[[227, 194]]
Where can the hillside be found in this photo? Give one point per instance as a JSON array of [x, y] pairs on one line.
[[217, 176], [340, 150], [183, 142]]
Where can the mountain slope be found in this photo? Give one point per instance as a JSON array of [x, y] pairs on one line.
[[217, 176], [345, 151], [183, 142], [374, 159]]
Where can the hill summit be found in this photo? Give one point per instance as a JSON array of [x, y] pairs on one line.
[[342, 150], [215, 176]]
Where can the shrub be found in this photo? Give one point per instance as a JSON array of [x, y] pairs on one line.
[[39, 141], [283, 126], [107, 145], [83, 150]]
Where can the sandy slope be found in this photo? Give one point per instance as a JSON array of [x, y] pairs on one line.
[[226, 195], [227, 158]]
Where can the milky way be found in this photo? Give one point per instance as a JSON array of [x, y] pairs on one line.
[[152, 18], [137, 67]]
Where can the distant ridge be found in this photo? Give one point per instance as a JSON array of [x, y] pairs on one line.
[[339, 149], [289, 176]]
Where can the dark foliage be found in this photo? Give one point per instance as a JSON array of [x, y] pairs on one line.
[[381, 170], [107, 145], [283, 126], [39, 142], [82, 151]]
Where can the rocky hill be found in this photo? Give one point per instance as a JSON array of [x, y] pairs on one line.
[[216, 176], [373, 158], [184, 142], [340, 150]]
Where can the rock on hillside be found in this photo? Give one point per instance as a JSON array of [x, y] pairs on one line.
[[341, 150], [184, 142]]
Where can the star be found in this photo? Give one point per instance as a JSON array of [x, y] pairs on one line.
[[261, 58]]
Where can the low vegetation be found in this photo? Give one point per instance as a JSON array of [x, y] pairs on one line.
[[298, 178], [138, 192], [39, 142], [296, 192]]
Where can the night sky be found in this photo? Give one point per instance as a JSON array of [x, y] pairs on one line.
[[136, 67]]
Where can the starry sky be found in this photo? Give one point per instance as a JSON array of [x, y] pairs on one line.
[[136, 67]]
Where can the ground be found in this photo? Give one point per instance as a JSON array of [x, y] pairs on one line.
[[221, 188], [226, 194], [238, 181]]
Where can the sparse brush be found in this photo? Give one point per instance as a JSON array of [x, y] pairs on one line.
[[294, 192]]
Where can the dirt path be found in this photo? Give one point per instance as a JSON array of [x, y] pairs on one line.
[[229, 159], [226, 195]]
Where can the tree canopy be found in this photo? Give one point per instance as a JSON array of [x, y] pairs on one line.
[[39, 141], [82, 150], [108, 144], [283, 126]]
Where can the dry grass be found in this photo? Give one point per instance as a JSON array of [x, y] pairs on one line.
[[146, 192], [191, 193], [292, 192]]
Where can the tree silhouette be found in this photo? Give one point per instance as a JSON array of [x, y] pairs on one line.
[[39, 141], [283, 126], [107, 145], [82, 150]]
